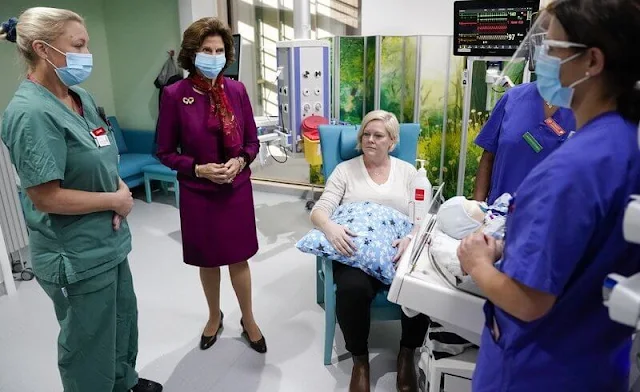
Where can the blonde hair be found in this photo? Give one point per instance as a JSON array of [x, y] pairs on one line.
[[40, 24], [390, 124]]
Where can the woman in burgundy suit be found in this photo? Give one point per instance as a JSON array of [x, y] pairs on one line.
[[207, 133]]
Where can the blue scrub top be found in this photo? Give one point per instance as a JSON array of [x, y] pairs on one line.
[[519, 111], [564, 236]]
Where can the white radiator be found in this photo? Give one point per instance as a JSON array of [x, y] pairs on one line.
[[11, 217]]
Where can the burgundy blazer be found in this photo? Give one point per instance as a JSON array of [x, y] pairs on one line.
[[188, 134]]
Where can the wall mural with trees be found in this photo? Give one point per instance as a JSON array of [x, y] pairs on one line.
[[397, 94], [398, 76], [352, 84], [370, 74]]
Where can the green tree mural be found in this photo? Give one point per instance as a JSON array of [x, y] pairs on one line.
[[397, 95], [351, 79], [370, 74], [398, 76], [409, 79], [432, 118]]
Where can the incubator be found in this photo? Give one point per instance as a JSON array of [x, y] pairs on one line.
[[422, 286]]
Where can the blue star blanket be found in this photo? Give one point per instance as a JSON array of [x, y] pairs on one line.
[[376, 226]]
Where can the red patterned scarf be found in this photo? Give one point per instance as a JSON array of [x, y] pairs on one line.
[[221, 107]]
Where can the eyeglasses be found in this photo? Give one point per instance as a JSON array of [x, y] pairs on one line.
[[551, 43]]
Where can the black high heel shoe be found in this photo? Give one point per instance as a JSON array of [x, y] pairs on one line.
[[259, 346], [208, 341]]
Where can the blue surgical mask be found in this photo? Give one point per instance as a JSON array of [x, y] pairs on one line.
[[210, 65], [78, 69], [548, 79]]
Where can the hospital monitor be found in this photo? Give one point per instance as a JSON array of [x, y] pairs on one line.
[[233, 72], [485, 28]]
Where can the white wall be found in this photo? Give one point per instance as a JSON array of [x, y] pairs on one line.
[[244, 14], [407, 17], [192, 10]]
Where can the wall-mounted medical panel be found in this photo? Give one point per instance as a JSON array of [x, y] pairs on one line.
[[303, 84]]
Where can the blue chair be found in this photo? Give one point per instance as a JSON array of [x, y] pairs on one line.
[[136, 148], [338, 144], [160, 172]]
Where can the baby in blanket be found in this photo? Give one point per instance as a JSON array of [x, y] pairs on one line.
[[459, 217]]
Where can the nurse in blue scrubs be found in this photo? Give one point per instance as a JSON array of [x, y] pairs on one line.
[[523, 130], [546, 326]]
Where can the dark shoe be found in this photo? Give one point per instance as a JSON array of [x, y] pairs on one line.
[[146, 386], [360, 374], [208, 341], [259, 346], [407, 378]]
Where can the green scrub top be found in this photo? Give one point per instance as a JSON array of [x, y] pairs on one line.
[[47, 141]]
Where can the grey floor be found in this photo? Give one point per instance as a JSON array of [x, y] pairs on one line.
[[173, 312], [294, 169]]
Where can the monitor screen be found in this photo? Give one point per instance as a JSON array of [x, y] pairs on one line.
[[491, 28], [233, 72]]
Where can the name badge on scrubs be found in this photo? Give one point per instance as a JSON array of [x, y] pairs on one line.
[[101, 138], [555, 127], [532, 142]]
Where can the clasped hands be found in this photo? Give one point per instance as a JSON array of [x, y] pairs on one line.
[[221, 173]]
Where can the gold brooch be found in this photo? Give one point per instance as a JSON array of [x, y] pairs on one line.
[[188, 101]]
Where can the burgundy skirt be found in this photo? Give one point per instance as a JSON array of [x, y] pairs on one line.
[[218, 227]]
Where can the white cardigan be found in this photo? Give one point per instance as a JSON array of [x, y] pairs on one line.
[[350, 182]]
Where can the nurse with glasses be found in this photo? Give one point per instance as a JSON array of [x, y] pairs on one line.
[[522, 131], [546, 326]]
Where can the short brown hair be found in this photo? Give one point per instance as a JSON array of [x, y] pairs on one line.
[[195, 35]]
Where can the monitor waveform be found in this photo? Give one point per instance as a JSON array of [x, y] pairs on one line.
[[489, 28], [481, 27], [503, 37]]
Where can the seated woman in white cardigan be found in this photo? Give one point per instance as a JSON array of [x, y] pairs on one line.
[[377, 177]]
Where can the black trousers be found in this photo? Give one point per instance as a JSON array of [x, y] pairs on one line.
[[355, 290]]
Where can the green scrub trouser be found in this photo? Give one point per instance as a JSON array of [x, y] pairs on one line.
[[98, 341]]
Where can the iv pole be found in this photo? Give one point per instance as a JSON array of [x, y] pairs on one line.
[[467, 77]]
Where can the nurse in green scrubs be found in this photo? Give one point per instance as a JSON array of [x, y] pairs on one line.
[[67, 161]]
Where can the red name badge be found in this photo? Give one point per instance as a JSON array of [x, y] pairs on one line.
[[100, 137], [555, 127], [419, 196], [98, 132]]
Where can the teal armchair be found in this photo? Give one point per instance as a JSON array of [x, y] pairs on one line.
[[338, 144], [136, 152]]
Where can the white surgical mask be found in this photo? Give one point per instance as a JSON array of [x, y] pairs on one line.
[[454, 220]]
